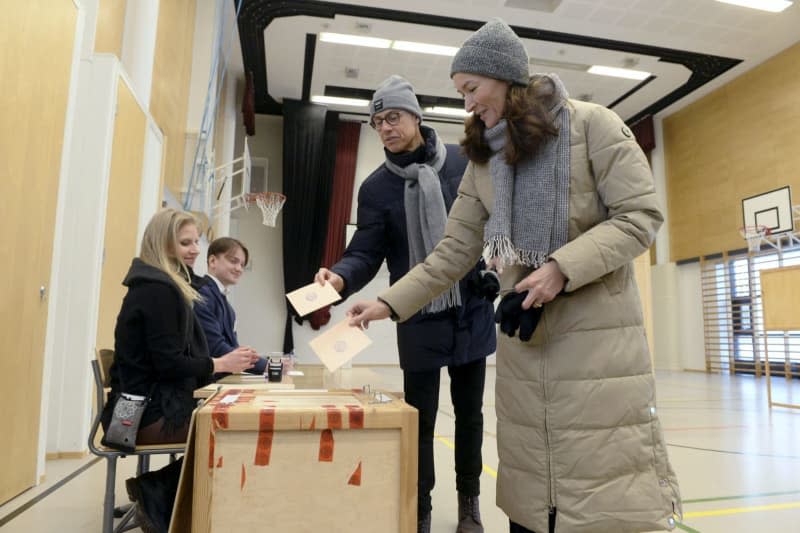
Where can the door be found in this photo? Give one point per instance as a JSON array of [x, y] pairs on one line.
[[36, 44]]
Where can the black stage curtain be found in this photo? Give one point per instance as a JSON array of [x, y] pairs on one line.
[[309, 152]]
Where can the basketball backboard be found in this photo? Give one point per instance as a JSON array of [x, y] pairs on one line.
[[772, 209]]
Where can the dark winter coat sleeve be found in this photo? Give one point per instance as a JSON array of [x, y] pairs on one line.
[[368, 247]]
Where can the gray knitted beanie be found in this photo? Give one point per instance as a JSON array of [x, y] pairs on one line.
[[395, 92], [494, 50]]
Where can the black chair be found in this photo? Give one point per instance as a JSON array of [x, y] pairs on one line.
[[100, 368]]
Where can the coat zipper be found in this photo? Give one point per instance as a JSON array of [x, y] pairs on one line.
[[550, 484]]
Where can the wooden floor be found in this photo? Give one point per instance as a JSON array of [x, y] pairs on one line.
[[738, 463]]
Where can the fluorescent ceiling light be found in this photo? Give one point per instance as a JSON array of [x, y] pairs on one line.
[[375, 42], [357, 40], [619, 72], [541, 62], [450, 111], [424, 48], [773, 6], [336, 100]]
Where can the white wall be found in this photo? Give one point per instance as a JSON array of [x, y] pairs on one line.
[[691, 338], [677, 296], [678, 317], [259, 296], [139, 46], [658, 166]]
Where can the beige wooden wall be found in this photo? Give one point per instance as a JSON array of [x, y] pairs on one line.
[[36, 52], [172, 72], [110, 27], [742, 139]]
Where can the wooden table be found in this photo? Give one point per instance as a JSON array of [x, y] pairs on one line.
[[313, 377]]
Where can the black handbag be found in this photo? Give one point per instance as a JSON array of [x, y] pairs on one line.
[[125, 420]]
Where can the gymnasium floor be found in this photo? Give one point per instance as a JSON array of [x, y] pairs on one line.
[[738, 463]]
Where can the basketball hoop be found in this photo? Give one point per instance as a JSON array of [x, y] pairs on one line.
[[270, 204], [754, 235]]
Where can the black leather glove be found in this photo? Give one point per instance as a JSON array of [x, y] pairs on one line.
[[511, 316], [484, 284]]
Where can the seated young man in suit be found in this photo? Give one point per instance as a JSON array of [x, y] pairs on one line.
[[227, 258]]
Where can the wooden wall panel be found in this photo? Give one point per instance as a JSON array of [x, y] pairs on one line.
[[172, 72], [780, 292], [110, 27], [122, 210], [36, 49], [742, 139]]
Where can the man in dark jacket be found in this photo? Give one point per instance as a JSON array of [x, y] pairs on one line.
[[402, 209], [227, 258]]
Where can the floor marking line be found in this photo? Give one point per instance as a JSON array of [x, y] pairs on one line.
[[486, 468], [740, 510], [47, 492], [686, 528], [742, 497], [701, 428], [733, 452]]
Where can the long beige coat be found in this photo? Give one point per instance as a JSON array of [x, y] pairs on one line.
[[577, 427]]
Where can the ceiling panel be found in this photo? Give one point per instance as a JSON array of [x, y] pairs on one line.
[[669, 38]]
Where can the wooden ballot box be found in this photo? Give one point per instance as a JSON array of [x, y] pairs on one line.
[[301, 461]]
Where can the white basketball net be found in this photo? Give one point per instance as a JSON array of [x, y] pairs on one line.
[[754, 235], [270, 204]]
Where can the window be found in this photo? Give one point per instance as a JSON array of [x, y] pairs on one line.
[[733, 314]]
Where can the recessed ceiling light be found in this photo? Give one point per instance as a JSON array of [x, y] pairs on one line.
[[550, 63], [773, 6], [450, 111], [336, 100], [619, 72], [356, 40], [424, 48], [375, 42]]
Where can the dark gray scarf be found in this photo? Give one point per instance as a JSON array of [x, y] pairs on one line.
[[531, 205], [426, 214]]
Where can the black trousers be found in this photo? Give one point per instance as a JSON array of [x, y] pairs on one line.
[[516, 528], [466, 391]]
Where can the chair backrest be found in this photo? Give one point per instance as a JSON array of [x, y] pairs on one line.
[[105, 357], [100, 403]]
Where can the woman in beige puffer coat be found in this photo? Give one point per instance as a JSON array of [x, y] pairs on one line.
[[580, 446]]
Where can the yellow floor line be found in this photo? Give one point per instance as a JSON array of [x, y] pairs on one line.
[[739, 510], [489, 470]]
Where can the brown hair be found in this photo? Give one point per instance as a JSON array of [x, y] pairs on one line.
[[223, 245], [528, 125]]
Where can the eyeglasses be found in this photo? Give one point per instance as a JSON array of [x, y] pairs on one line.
[[391, 119]]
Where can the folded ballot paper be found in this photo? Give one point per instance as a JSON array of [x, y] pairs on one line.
[[308, 299], [339, 344]]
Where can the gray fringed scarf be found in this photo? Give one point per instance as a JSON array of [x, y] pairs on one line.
[[531, 206], [426, 215]]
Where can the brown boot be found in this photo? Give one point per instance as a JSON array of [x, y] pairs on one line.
[[469, 515]]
